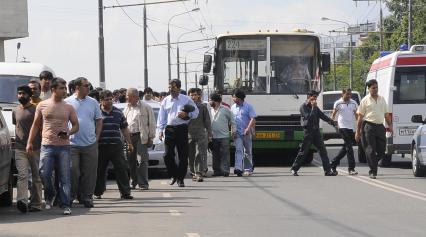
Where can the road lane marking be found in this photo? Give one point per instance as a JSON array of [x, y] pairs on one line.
[[163, 182], [174, 213], [167, 195], [382, 185], [193, 235]]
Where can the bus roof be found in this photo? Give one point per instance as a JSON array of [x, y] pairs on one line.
[[24, 69], [267, 34], [416, 56]]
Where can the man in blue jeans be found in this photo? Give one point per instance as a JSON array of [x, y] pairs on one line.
[[52, 116], [245, 120]]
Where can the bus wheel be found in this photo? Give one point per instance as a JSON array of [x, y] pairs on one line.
[[361, 155], [386, 161]]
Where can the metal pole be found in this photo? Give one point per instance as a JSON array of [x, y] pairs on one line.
[[381, 26], [168, 54], [350, 62], [145, 48], [410, 22], [177, 62], [186, 77], [196, 84], [101, 46], [334, 67]]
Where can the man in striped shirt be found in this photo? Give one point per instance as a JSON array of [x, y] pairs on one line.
[[111, 147]]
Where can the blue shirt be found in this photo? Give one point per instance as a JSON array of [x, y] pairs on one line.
[[112, 124], [169, 110], [88, 112], [242, 116]]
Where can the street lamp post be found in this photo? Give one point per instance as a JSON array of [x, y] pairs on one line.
[[177, 48], [186, 71], [168, 38], [350, 47]]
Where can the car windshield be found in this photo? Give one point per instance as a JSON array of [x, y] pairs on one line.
[[8, 85]]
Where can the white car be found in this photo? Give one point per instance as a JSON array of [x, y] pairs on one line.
[[156, 152]]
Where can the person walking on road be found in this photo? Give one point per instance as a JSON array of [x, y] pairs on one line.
[[84, 147], [372, 113], [200, 134], [111, 147], [22, 118], [175, 112], [141, 120], [310, 116], [245, 120], [222, 118], [45, 79], [52, 117], [345, 109]]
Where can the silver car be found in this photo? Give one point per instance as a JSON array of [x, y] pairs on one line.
[[418, 147], [6, 189]]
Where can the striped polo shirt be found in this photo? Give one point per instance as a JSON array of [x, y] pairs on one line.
[[113, 122]]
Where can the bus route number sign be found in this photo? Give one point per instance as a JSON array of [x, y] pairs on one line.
[[246, 44]]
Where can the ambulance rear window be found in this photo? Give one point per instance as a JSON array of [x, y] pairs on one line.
[[410, 86]]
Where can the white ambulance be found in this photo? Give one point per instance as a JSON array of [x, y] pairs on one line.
[[401, 78]]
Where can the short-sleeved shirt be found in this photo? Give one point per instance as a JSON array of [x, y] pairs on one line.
[[242, 115], [346, 113], [113, 122], [88, 112], [56, 116], [373, 111], [22, 118]]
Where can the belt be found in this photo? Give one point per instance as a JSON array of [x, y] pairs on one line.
[[177, 126], [373, 124], [135, 134]]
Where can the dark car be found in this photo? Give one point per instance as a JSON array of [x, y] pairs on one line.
[[6, 189], [418, 147]]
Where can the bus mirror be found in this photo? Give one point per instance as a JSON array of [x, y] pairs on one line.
[[325, 62], [204, 80], [207, 64], [417, 119]]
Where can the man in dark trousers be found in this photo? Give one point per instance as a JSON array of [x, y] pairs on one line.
[[311, 115], [345, 109], [372, 112], [175, 112]]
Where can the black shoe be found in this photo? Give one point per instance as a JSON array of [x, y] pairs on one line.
[[98, 196], [34, 209], [239, 173], [330, 173], [294, 172], [88, 204], [225, 174], [173, 181], [333, 169], [133, 186], [126, 196], [372, 176], [181, 184], [22, 206]]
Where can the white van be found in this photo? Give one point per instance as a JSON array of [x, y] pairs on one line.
[[13, 75], [401, 78], [327, 99]]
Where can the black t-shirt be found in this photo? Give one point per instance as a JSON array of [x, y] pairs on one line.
[[23, 119]]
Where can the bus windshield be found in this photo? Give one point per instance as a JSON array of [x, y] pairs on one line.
[[242, 63], [8, 85]]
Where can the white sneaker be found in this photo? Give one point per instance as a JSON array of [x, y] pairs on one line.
[[49, 205], [67, 211], [247, 173]]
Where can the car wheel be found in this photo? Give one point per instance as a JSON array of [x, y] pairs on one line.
[[418, 169], [6, 198]]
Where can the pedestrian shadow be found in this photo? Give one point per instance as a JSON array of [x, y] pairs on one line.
[[10, 215]]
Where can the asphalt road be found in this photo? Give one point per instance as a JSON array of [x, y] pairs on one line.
[[269, 203]]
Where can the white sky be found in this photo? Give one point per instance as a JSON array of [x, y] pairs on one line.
[[64, 34]]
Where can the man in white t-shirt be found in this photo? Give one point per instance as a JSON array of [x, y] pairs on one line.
[[345, 108]]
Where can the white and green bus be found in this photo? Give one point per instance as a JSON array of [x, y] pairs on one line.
[[276, 71]]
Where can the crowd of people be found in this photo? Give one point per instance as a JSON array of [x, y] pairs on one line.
[[65, 141]]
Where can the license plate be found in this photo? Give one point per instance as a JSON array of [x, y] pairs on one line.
[[407, 131], [268, 135]]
